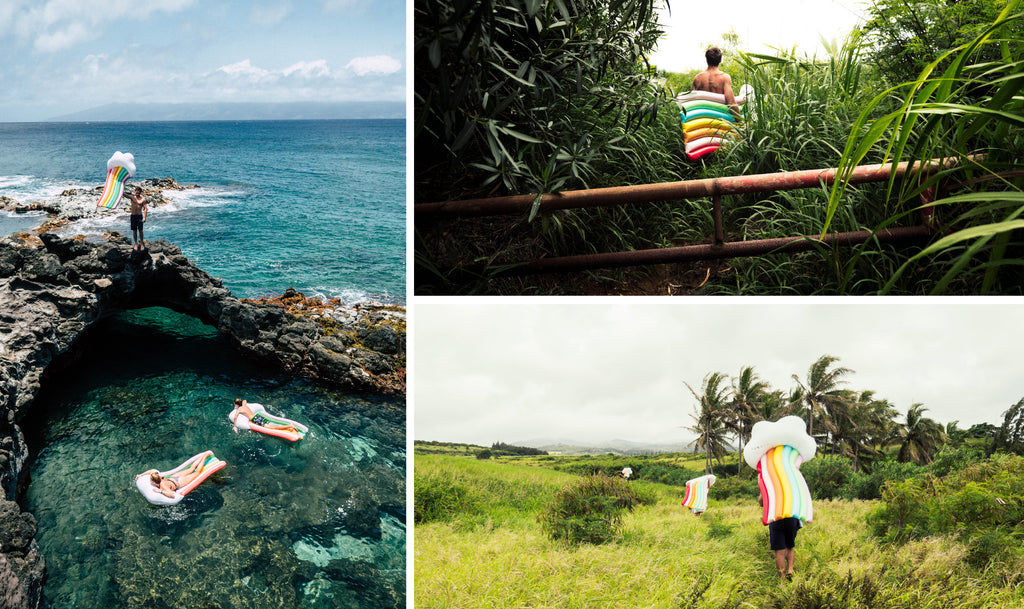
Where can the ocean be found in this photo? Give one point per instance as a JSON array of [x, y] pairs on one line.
[[314, 205]]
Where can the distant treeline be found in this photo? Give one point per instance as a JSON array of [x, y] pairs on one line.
[[501, 448]]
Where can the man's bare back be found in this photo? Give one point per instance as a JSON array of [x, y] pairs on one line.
[[717, 81]]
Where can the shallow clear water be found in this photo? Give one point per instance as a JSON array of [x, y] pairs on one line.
[[317, 523], [314, 205]]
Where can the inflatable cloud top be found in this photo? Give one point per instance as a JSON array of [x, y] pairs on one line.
[[122, 159], [787, 431]]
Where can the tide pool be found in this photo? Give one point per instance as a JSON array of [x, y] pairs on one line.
[[317, 523]]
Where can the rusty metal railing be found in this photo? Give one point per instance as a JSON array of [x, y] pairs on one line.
[[689, 189]]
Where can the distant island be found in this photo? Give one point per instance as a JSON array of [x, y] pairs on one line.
[[131, 112]]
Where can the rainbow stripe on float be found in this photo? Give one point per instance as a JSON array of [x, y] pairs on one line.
[[113, 189], [696, 497], [782, 485], [703, 110]]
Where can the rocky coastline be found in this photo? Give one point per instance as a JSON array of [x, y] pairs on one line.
[[75, 204], [51, 294]]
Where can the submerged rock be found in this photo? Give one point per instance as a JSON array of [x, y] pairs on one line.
[[51, 295]]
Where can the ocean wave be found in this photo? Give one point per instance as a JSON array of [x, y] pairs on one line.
[[97, 221], [28, 189]]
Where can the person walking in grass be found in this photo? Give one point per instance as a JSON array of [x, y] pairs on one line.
[[782, 541], [138, 218], [716, 81]]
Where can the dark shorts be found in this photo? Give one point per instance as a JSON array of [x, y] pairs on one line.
[[782, 533], [137, 222], [259, 419]]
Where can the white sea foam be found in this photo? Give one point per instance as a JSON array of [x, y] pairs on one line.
[[97, 221], [29, 189]]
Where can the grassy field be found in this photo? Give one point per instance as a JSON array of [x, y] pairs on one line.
[[490, 551]]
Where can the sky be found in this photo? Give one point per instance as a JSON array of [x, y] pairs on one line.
[[691, 27], [594, 371], [63, 56]]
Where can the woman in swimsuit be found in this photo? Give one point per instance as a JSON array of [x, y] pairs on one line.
[[243, 409], [167, 486]]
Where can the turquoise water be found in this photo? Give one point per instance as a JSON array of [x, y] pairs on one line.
[[317, 523], [314, 205]]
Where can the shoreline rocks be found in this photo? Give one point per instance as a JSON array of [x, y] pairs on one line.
[[50, 296], [75, 204]]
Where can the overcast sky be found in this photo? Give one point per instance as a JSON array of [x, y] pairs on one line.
[[593, 371], [62, 56], [694, 26]]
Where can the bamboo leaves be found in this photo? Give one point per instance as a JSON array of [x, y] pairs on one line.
[[502, 86]]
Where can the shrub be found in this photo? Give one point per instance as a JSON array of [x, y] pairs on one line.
[[827, 475], [952, 459], [588, 510], [981, 504], [735, 487], [869, 485], [440, 497]]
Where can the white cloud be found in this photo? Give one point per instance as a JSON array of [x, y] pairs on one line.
[[270, 14], [61, 24], [244, 69], [377, 64], [342, 6], [308, 68], [64, 38]]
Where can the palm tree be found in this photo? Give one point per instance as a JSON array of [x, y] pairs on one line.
[[864, 424], [822, 392], [748, 393], [710, 419], [919, 437]]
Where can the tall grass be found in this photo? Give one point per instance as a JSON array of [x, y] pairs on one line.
[[966, 109], [666, 557]]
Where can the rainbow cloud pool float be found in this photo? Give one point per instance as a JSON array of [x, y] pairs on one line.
[[777, 450], [707, 121], [120, 167], [696, 497]]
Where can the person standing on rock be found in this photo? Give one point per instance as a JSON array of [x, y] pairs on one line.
[[138, 218]]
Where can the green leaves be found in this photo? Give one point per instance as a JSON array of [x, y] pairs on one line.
[[968, 106], [502, 86]]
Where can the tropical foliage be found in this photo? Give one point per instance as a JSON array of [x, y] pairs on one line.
[[948, 86], [903, 36], [854, 425], [982, 505], [530, 95], [711, 419]]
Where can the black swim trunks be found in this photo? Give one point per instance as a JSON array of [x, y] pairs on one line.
[[137, 222], [782, 533], [258, 419]]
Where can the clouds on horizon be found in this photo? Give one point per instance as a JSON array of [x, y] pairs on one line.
[[597, 372], [78, 54]]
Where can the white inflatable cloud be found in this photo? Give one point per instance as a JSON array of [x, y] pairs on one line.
[[122, 159], [787, 431]]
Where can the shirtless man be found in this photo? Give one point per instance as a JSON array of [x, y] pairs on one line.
[[138, 211], [716, 81]]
